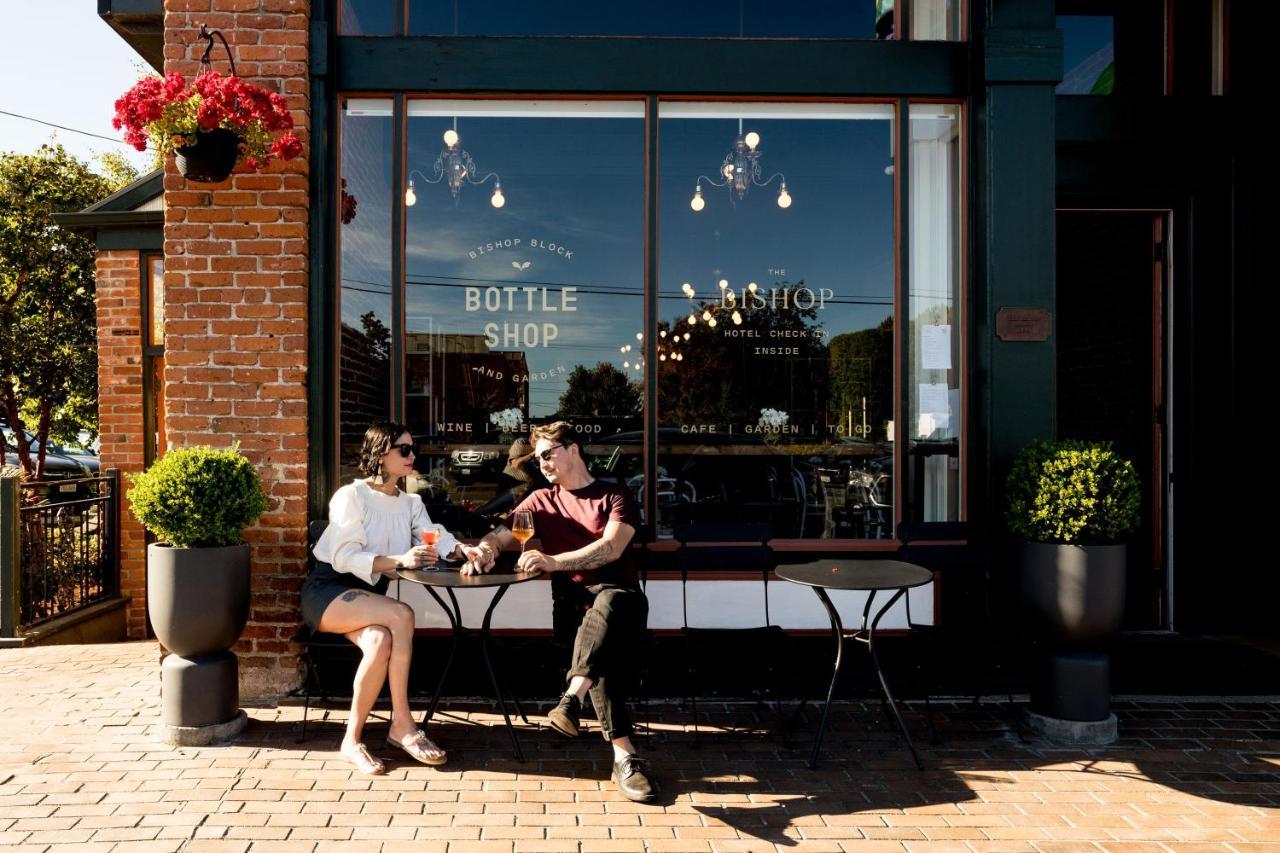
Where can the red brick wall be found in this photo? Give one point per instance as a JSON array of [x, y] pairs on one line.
[[119, 297], [236, 314]]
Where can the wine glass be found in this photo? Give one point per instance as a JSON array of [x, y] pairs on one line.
[[522, 527], [430, 535]]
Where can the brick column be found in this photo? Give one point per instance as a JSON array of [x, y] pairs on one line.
[[119, 300], [236, 314]]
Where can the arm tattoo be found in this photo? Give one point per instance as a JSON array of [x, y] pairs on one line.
[[353, 595], [593, 556]]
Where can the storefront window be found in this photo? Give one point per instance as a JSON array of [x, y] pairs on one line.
[[775, 338], [364, 267], [935, 355], [524, 284], [936, 20], [368, 18], [1089, 55]]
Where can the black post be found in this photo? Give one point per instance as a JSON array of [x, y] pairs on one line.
[[113, 507], [10, 553]]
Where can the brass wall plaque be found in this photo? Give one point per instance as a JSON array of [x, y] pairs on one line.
[[1023, 324]]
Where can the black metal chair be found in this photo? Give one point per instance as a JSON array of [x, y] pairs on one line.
[[966, 629], [316, 645], [717, 547]]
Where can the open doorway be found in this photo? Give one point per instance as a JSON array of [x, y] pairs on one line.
[[1112, 372]]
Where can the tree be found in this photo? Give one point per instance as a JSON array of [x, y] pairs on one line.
[[601, 391], [48, 352], [116, 169]]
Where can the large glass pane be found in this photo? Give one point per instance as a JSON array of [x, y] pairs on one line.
[[745, 18], [936, 421], [524, 284], [936, 20], [364, 267], [776, 338]]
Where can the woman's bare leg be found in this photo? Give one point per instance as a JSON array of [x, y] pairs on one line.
[[375, 642]]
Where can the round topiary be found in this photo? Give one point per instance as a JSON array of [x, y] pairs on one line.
[[198, 497], [1072, 492]]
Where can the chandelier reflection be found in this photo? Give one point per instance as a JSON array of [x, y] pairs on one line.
[[740, 171], [455, 166]]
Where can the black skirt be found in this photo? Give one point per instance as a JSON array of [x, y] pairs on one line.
[[324, 584]]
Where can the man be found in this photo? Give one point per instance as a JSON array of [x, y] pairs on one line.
[[585, 526]]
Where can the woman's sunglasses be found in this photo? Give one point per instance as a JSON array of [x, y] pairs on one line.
[[406, 450]]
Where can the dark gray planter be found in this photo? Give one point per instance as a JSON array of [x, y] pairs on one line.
[[198, 601], [1073, 597]]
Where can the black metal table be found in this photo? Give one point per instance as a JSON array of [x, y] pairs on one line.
[[449, 578], [870, 576]]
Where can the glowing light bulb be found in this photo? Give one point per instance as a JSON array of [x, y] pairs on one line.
[[498, 199], [693, 321], [784, 197], [752, 286], [451, 137], [639, 336], [688, 289], [626, 364], [737, 318], [410, 197], [622, 349], [697, 202], [724, 282], [662, 333], [686, 335], [662, 357], [727, 170], [712, 322], [752, 139], [706, 315]]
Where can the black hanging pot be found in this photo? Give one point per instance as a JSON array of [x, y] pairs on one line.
[[211, 158]]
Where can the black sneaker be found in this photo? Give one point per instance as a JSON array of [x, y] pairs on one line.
[[630, 774], [565, 715]]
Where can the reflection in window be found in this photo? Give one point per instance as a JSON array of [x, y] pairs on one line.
[[368, 18], [1089, 61], [364, 264], [514, 313], [707, 18], [155, 330], [936, 20], [775, 338], [936, 413]]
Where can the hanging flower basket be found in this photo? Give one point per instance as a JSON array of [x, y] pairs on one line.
[[212, 124], [210, 158]]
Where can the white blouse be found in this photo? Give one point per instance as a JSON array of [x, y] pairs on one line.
[[365, 523]]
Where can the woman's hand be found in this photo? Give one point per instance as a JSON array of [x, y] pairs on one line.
[[480, 559], [417, 557]]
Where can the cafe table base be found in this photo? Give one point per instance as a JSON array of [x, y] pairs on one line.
[[452, 610], [870, 576]]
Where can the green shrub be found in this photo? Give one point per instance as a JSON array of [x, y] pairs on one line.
[[1072, 492], [198, 497]]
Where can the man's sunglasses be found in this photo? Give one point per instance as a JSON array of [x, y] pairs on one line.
[[406, 450], [545, 455]]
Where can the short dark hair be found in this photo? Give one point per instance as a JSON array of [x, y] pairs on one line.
[[378, 439], [560, 432]]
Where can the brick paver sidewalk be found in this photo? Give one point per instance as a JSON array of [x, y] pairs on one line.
[[81, 769]]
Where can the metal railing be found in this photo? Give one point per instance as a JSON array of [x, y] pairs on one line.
[[59, 547]]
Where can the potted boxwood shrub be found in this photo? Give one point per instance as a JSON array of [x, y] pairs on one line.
[[1071, 504], [198, 501]]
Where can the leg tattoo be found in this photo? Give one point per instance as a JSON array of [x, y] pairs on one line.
[[352, 595]]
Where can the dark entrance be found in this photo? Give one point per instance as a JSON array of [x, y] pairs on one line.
[[1111, 369]]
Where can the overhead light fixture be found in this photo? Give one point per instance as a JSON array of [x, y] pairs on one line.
[[455, 166], [740, 171]]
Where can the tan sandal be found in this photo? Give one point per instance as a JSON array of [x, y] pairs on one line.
[[364, 761], [419, 747]]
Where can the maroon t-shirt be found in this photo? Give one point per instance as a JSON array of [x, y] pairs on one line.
[[569, 519]]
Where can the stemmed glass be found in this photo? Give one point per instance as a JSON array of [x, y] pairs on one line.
[[430, 535], [522, 527]]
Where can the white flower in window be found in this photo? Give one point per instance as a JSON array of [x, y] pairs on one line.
[[772, 420], [507, 420]]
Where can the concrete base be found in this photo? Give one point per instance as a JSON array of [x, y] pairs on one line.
[[1072, 732], [205, 735]]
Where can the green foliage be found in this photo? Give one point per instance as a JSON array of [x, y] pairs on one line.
[[862, 371], [198, 497], [48, 340], [603, 390], [1072, 492], [116, 169]]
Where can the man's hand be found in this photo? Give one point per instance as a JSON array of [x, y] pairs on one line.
[[480, 559], [536, 561]]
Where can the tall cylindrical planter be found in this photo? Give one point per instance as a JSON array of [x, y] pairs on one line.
[[198, 602], [1073, 596]]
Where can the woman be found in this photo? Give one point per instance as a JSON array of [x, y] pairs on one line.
[[374, 529]]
